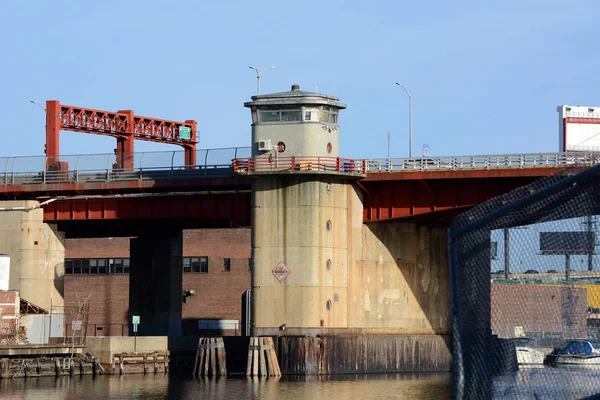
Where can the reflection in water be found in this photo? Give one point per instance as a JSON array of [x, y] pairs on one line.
[[380, 387]]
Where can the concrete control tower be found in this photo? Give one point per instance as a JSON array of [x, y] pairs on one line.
[[321, 278], [299, 214], [295, 123]]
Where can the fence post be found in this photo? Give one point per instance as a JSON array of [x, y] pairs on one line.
[[205, 162], [6, 171], [142, 166], [108, 168], [44, 170], [13, 170], [77, 169], [173, 165]]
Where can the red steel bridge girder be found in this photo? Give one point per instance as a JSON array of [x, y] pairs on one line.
[[430, 202], [233, 207], [123, 125]]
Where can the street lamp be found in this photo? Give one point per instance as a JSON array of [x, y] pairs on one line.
[[35, 102], [258, 74], [409, 119]]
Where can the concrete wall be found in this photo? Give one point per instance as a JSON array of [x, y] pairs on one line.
[[103, 348], [36, 251], [401, 281], [384, 277], [290, 225]]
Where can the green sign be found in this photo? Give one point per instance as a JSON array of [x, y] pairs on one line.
[[185, 132], [135, 319]]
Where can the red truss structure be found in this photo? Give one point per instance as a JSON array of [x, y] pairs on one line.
[[122, 124]]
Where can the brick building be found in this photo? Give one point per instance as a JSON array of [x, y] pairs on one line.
[[216, 264]]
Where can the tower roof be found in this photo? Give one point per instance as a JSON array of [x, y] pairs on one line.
[[294, 96]]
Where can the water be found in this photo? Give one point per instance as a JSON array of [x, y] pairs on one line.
[[380, 387]]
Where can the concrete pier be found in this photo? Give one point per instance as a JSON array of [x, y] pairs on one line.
[[36, 251], [341, 296]]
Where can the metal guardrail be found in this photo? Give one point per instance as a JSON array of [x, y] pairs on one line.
[[215, 163], [299, 164], [104, 167], [483, 162]]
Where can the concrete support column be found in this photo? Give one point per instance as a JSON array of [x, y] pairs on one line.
[[36, 253], [300, 255], [155, 284]]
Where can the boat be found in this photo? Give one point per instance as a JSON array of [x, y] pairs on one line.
[[528, 356], [579, 352]]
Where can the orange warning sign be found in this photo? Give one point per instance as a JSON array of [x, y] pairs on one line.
[[281, 272]]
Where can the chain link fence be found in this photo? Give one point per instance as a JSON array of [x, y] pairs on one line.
[[525, 281]]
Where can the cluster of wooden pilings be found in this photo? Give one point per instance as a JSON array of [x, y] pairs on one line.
[[140, 363], [262, 360], [211, 358], [11, 368]]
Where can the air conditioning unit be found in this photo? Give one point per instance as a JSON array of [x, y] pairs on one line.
[[264, 145]]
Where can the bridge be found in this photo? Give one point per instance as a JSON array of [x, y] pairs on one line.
[[342, 250], [160, 185]]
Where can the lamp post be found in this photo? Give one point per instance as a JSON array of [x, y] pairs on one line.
[[409, 119], [388, 138], [258, 74], [35, 102]]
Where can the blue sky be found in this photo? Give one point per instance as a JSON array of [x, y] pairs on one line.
[[486, 77]]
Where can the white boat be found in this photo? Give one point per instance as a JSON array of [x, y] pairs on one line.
[[527, 356], [579, 352]]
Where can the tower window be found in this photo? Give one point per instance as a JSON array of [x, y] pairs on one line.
[[280, 147], [329, 115]]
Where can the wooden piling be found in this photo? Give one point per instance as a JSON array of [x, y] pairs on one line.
[[210, 358], [262, 359]]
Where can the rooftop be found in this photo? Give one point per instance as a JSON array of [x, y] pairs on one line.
[[294, 96]]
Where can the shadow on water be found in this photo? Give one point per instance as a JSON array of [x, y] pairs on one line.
[[428, 386]]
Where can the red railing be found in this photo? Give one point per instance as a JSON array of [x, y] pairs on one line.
[[299, 164]]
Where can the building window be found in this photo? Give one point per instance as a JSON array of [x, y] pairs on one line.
[[280, 147], [97, 266], [291, 116], [195, 264], [307, 115], [279, 116], [227, 264], [329, 115]]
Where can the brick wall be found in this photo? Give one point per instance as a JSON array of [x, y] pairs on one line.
[[218, 292], [536, 308]]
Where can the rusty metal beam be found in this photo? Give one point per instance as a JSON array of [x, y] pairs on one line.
[[433, 199], [234, 207]]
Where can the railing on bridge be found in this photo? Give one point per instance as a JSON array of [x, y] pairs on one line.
[[483, 162], [223, 162], [299, 164], [104, 168]]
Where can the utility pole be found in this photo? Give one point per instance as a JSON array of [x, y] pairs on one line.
[[591, 227], [409, 119], [388, 138], [258, 74]]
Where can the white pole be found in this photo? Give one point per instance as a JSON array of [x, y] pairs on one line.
[[409, 119], [258, 74]]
